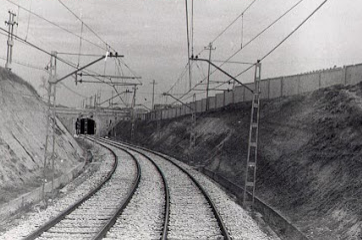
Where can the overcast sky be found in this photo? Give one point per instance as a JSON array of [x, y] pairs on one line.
[[152, 36]]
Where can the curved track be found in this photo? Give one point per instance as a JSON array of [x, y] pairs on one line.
[[186, 194], [165, 202], [119, 230], [95, 213]]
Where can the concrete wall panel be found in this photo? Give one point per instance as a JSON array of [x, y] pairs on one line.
[[354, 74], [264, 89], [188, 110], [248, 94], [290, 85], [192, 106], [332, 77], [212, 102], [184, 110], [219, 100], [198, 106], [203, 105], [309, 82], [228, 97], [275, 87], [238, 94]]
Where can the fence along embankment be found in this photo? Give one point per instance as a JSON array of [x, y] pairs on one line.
[[270, 88]]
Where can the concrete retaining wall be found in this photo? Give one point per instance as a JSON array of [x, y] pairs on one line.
[[309, 82], [229, 97], [239, 94], [290, 85], [353, 74], [212, 101], [219, 100], [273, 88], [264, 89], [332, 77], [248, 96]]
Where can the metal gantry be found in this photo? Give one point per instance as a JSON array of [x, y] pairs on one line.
[[252, 155], [51, 115]]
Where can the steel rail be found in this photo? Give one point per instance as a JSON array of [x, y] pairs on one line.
[[102, 233], [70, 209], [167, 190], [218, 217]]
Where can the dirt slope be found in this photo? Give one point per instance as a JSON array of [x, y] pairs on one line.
[[310, 158], [22, 138]]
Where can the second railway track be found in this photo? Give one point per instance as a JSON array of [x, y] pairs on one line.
[[192, 214]]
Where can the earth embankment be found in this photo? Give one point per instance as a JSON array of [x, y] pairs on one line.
[[22, 139]]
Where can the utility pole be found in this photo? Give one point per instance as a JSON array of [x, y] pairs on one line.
[[158, 117], [95, 100], [193, 125], [251, 161], [133, 113], [9, 55], [210, 48], [50, 124], [153, 93]]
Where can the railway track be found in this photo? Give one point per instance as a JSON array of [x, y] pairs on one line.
[[147, 195], [233, 221], [93, 215], [192, 214]]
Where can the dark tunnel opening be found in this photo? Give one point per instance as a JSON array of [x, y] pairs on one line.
[[85, 126]]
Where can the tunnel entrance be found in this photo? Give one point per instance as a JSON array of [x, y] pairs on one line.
[[85, 126]]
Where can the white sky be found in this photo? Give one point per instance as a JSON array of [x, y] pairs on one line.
[[152, 36]]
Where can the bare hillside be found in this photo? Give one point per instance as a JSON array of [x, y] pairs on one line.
[[22, 138], [310, 158]]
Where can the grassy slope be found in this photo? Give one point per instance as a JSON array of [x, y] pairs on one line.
[[310, 157]]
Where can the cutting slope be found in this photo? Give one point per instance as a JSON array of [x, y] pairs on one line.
[[22, 138], [310, 157]]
